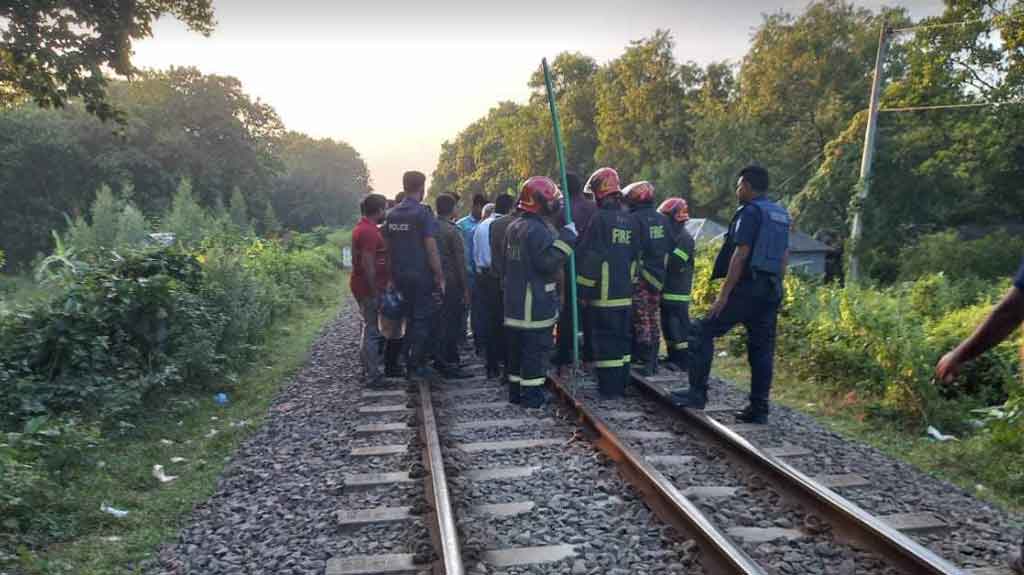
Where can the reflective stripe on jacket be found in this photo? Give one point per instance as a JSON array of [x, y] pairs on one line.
[[656, 243], [679, 273], [534, 254], [606, 258]]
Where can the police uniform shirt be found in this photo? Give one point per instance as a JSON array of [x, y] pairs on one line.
[[742, 232], [408, 225]]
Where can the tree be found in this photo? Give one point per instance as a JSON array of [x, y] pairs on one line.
[[239, 211], [642, 106], [321, 183], [54, 50]]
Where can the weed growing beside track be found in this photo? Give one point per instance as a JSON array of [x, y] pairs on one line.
[[116, 372]]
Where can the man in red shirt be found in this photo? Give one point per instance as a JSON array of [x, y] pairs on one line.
[[370, 277]]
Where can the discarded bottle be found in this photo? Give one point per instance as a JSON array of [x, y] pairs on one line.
[[221, 399]]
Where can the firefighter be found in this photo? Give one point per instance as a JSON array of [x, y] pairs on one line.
[[605, 277], [536, 247], [655, 243], [675, 296], [753, 263]]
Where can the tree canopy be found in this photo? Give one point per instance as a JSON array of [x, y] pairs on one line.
[[55, 50], [795, 103], [178, 125]]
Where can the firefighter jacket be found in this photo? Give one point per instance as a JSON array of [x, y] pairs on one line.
[[679, 272], [655, 245], [534, 254], [606, 258]]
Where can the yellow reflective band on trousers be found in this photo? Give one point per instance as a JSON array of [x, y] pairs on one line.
[[534, 382], [528, 322], [675, 297], [585, 282], [564, 247], [679, 345], [610, 363], [603, 301], [650, 278], [514, 378], [682, 255]]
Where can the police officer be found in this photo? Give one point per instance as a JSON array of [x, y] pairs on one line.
[[606, 255], [656, 243], [753, 262], [411, 233], [534, 254], [675, 296]]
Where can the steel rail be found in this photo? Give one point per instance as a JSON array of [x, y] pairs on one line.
[[848, 521], [443, 529], [719, 553]]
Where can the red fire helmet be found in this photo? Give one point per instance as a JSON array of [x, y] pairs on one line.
[[603, 183], [639, 193], [675, 208], [539, 195]]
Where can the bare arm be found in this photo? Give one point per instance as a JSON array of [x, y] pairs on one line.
[[1000, 323], [434, 259]]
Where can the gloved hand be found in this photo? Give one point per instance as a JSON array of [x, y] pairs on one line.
[[571, 226]]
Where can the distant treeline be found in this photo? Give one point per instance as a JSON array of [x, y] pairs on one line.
[[795, 104], [179, 125]]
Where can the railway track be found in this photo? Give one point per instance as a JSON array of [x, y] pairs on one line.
[[476, 485], [693, 469]]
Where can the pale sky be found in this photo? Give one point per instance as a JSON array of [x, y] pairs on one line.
[[395, 78]]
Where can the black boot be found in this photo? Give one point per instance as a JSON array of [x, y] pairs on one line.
[[651, 368], [514, 392], [753, 414], [692, 398], [392, 351], [532, 397]]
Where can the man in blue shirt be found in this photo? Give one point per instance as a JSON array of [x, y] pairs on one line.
[[488, 284], [1004, 318], [467, 225], [411, 234], [751, 295]]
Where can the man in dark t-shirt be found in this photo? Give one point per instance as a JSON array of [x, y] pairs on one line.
[[1004, 318], [369, 279]]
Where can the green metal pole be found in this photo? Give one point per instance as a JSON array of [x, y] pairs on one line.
[[571, 280]]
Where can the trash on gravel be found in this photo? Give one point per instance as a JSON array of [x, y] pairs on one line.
[[938, 435], [166, 442], [221, 399], [241, 423], [113, 510], [178, 460], [210, 434], [159, 475], [723, 354]]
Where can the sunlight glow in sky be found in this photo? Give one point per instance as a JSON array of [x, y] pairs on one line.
[[395, 78]]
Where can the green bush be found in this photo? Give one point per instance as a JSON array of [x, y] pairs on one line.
[[992, 257]]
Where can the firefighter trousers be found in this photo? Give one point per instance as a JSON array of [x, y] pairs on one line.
[[611, 328], [528, 353], [675, 324]]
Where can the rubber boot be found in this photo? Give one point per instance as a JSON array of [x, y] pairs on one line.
[[532, 396], [651, 368], [610, 387], [392, 351], [514, 395]]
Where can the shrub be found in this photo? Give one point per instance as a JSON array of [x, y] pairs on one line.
[[992, 257]]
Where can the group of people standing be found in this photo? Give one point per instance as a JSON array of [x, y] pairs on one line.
[[417, 275]]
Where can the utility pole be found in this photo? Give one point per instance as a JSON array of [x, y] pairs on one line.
[[857, 229]]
